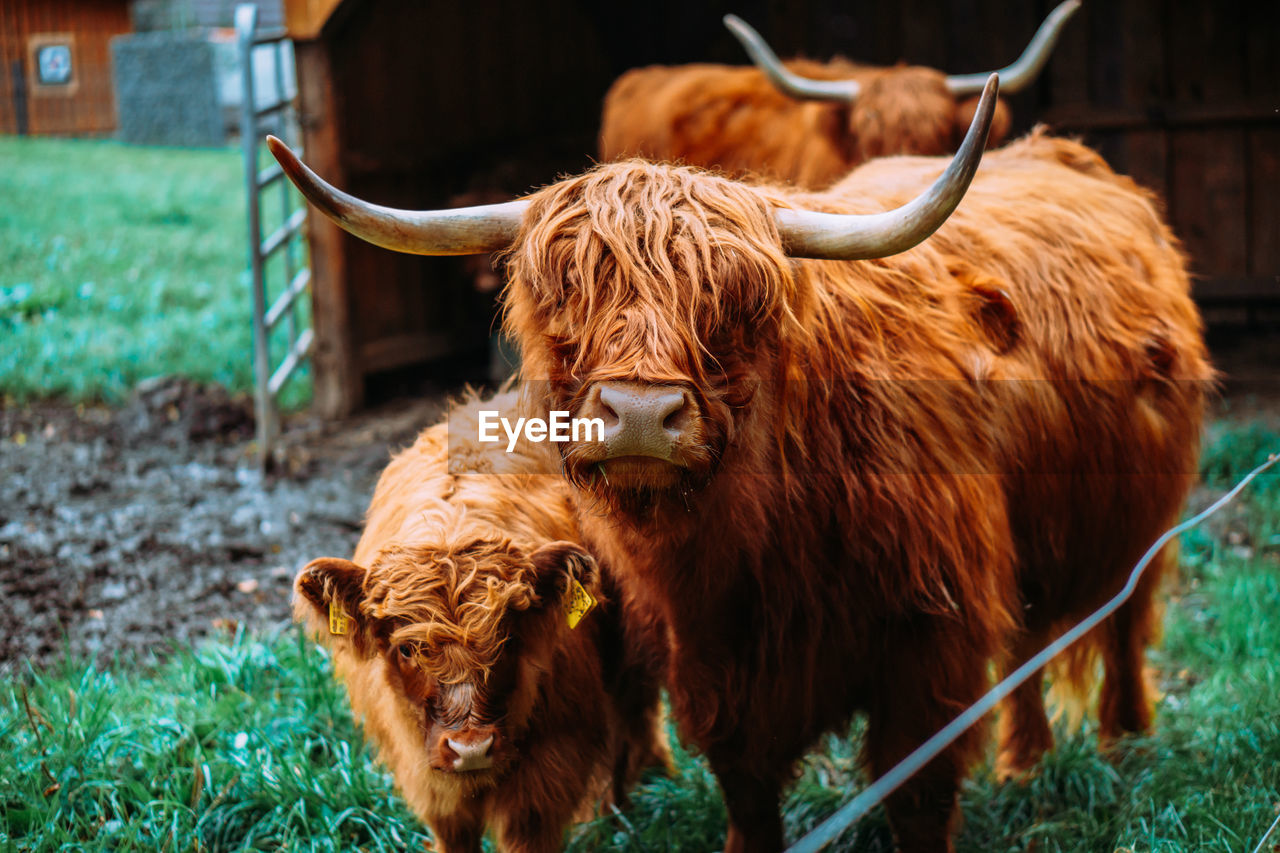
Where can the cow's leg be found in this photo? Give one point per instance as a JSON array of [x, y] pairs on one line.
[[639, 739], [922, 812], [542, 797], [1127, 704], [922, 690], [755, 825], [1024, 734], [457, 833], [529, 830]]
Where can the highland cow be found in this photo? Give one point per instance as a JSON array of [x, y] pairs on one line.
[[849, 484], [460, 632], [804, 122]]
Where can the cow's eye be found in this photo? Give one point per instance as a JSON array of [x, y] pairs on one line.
[[405, 650]]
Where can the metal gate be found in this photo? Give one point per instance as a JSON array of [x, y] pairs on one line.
[[279, 115]]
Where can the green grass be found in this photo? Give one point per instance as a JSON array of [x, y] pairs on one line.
[[121, 262], [247, 743], [238, 744]]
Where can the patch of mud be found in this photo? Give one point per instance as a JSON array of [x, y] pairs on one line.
[[128, 530]]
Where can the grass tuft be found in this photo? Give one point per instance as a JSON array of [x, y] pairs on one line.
[[245, 743]]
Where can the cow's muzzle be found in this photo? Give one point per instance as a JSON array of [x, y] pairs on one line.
[[467, 749], [642, 420]]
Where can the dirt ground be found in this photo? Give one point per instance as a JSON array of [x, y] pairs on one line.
[[127, 530]]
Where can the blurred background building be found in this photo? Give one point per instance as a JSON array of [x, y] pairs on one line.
[[148, 71]]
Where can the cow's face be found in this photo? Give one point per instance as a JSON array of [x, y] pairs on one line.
[[909, 110], [657, 301], [466, 634]]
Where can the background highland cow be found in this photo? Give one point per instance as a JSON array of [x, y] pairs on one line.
[[805, 123]]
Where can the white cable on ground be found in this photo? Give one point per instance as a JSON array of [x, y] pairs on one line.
[[830, 829], [1267, 835]]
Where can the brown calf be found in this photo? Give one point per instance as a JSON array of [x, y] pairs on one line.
[[451, 629]]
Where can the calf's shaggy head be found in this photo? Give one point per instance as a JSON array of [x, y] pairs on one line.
[[466, 634]]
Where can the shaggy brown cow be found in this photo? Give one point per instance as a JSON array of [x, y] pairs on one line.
[[764, 121], [849, 486], [486, 704]]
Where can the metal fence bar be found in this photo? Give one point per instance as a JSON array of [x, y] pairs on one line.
[[291, 226], [830, 829], [263, 112], [268, 425], [297, 286], [270, 175], [300, 349], [269, 382], [290, 258], [269, 35]]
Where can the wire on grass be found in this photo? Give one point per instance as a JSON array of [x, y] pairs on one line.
[[1267, 835], [830, 829]]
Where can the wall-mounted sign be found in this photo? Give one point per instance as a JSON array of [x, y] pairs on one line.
[[53, 64]]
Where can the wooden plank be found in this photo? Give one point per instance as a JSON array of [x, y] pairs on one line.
[[1262, 49], [1166, 114], [1067, 75], [1142, 52], [1207, 199], [925, 34], [1106, 56], [400, 350], [339, 388], [1206, 45], [1146, 158], [1225, 290], [870, 33], [1264, 202]]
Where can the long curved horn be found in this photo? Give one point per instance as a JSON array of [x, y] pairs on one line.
[[786, 81], [851, 237], [1021, 73], [460, 231], [805, 233]]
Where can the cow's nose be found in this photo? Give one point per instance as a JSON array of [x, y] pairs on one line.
[[640, 419], [470, 750]]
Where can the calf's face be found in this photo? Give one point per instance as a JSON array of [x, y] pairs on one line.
[[466, 634]]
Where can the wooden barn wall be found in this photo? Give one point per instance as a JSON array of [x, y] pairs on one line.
[[432, 105], [1183, 96], [419, 104], [89, 105]]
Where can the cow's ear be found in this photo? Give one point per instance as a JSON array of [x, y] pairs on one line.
[[327, 597], [559, 564]]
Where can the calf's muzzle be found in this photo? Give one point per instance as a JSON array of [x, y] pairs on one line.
[[469, 749]]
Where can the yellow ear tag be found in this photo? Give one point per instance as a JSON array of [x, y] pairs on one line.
[[337, 618], [580, 603]]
